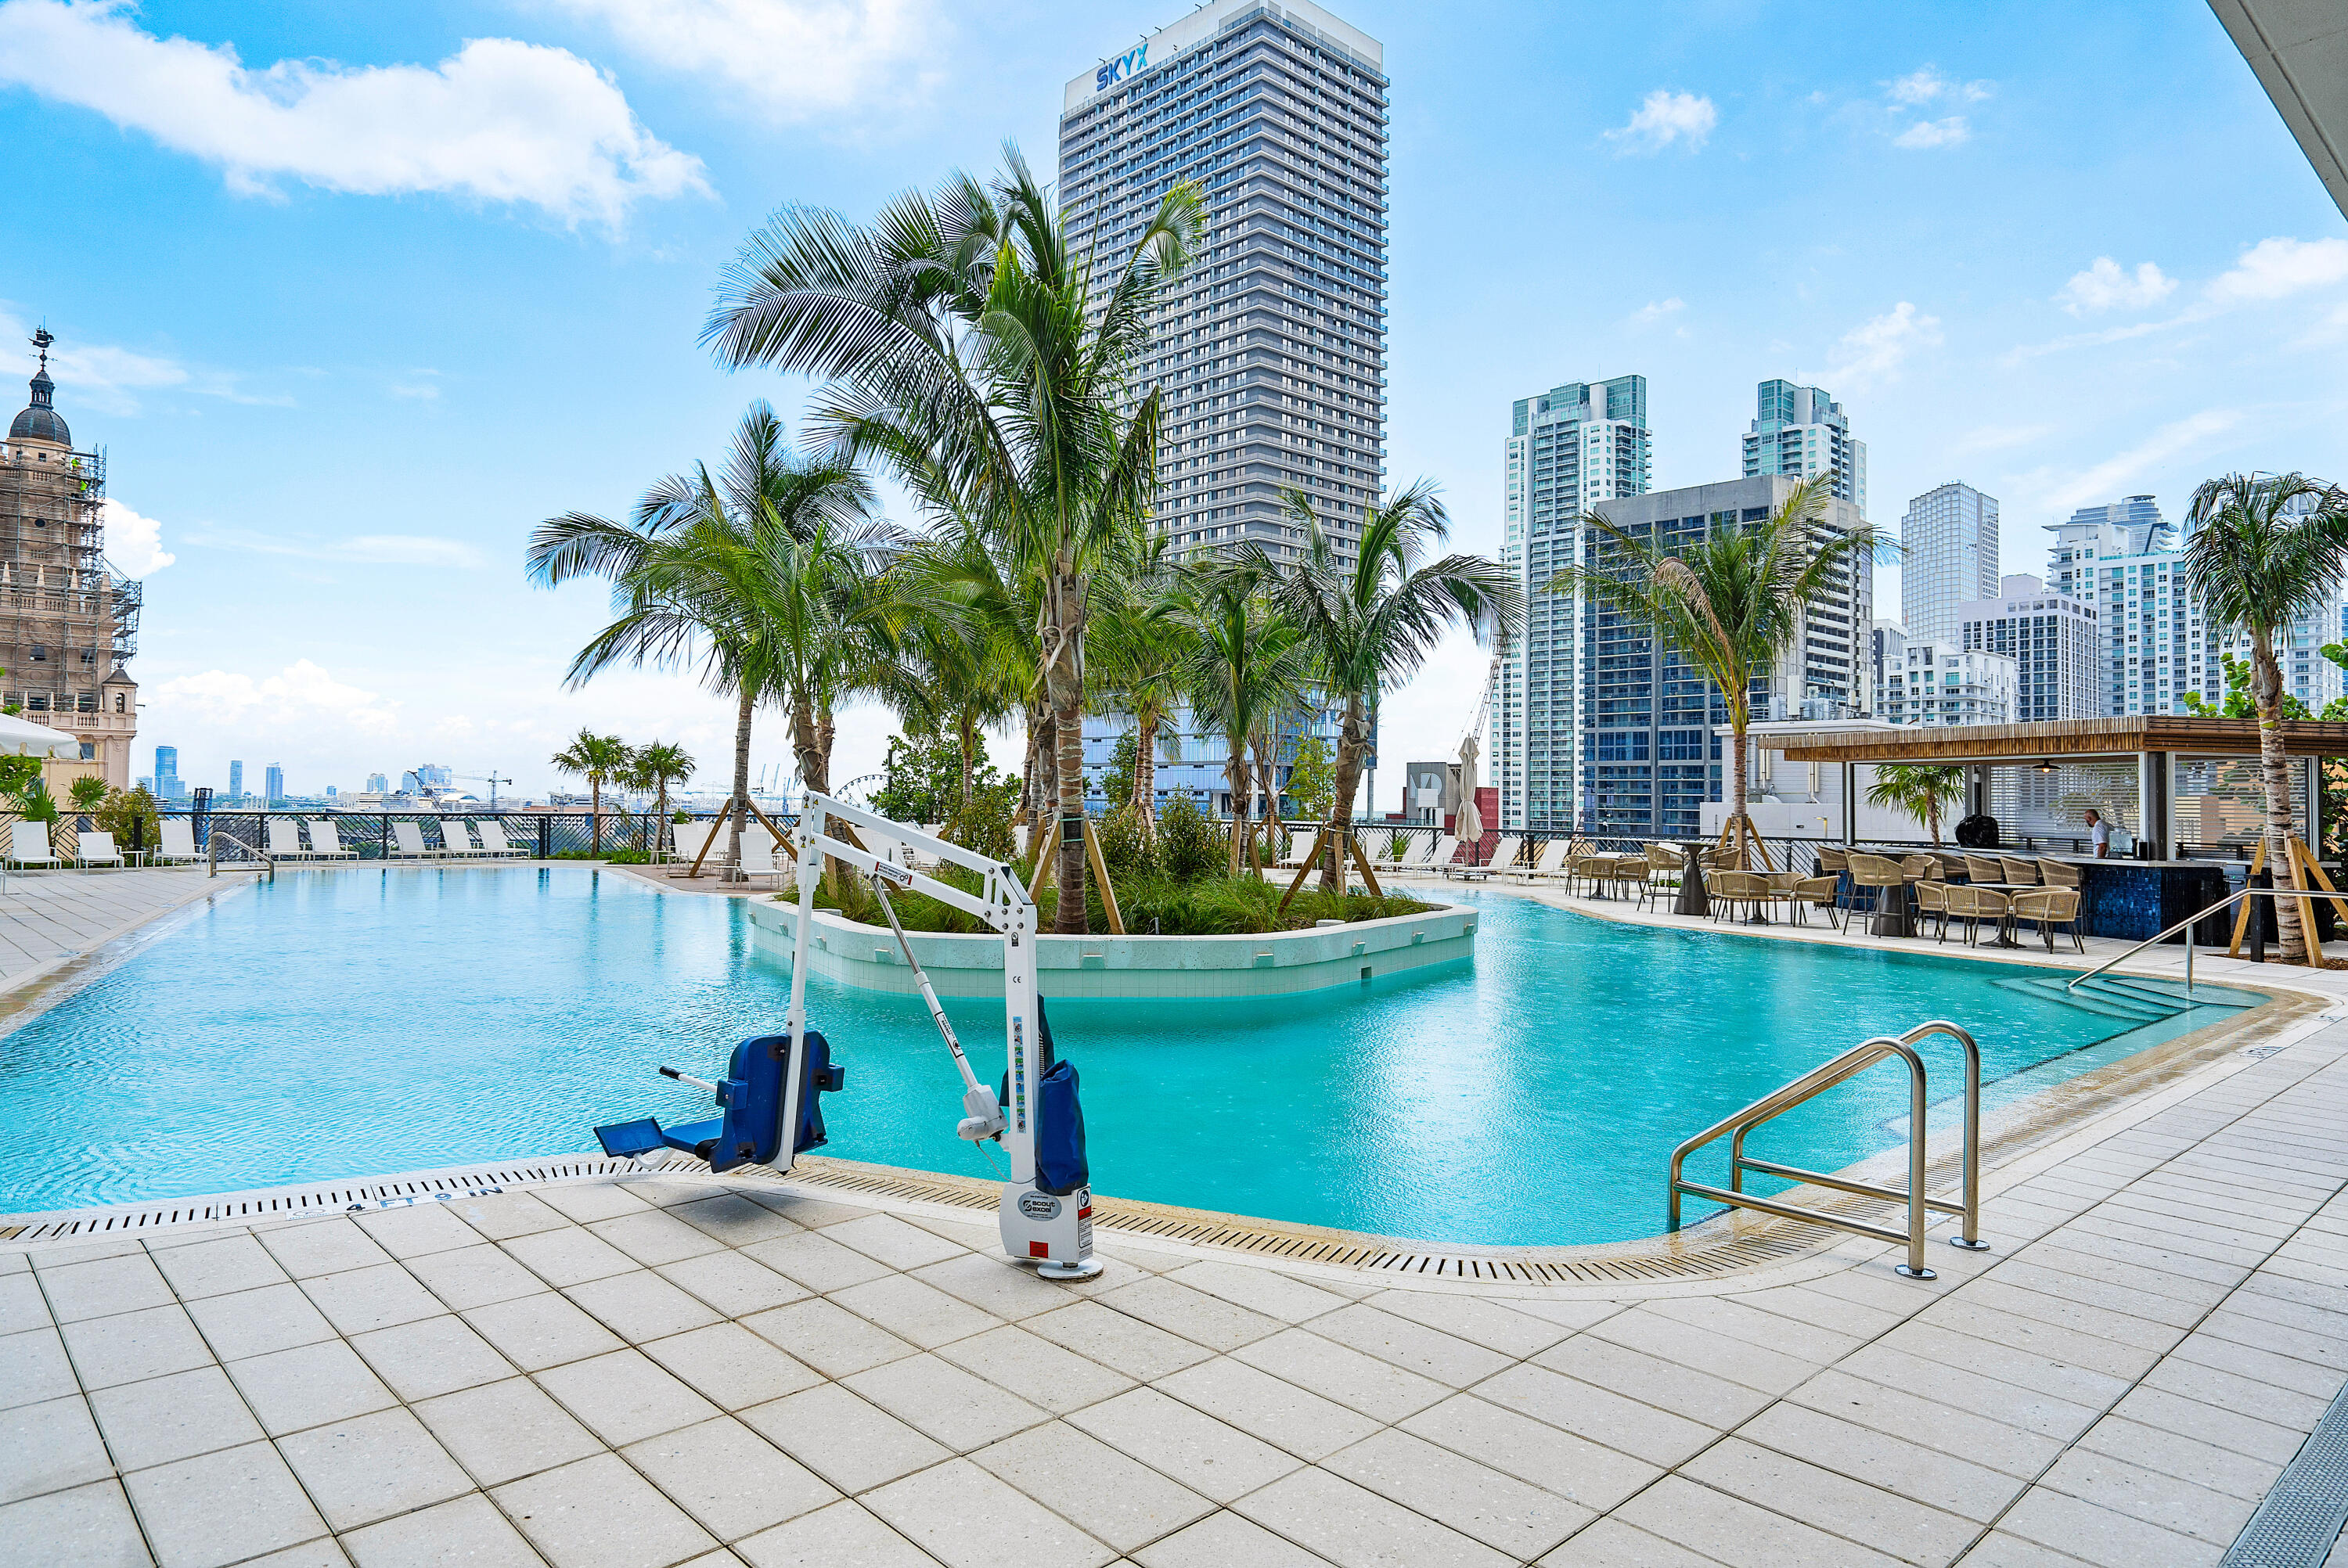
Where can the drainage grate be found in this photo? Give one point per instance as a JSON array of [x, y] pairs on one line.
[[1696, 1260], [294, 1202], [2296, 1525]]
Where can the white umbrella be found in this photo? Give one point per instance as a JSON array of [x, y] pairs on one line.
[[1470, 825], [22, 738]]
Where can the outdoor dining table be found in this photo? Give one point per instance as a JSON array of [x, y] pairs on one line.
[[1896, 920]]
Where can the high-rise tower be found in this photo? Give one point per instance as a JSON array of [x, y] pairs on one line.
[[1950, 552], [68, 617], [1802, 431], [1270, 348], [1568, 450]]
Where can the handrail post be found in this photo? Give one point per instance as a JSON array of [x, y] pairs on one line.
[[1914, 1267]]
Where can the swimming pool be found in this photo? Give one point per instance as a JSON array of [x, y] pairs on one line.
[[335, 1024]]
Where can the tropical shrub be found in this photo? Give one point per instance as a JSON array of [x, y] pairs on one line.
[[1188, 843], [983, 826], [1125, 844]]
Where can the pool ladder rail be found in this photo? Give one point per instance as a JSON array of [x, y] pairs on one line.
[[1810, 1085]]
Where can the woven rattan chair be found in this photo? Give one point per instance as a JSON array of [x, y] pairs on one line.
[[2058, 873], [2049, 907], [1832, 862], [1627, 874], [1816, 892], [1932, 904], [2021, 871], [1919, 868], [1974, 905], [1879, 878], [1951, 867], [1984, 868], [1663, 868], [1730, 889]]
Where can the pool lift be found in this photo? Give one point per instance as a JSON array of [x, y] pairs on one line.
[[775, 1082]]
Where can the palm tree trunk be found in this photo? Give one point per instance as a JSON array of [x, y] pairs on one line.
[[2266, 691], [1145, 774], [1352, 744], [966, 733], [1737, 819], [1235, 772], [739, 807], [595, 813], [826, 731], [1045, 798]]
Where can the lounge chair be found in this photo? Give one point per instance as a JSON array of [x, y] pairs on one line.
[[96, 849], [1730, 890], [286, 839], [178, 842], [1549, 863], [757, 851], [1414, 856], [407, 842], [29, 844], [325, 843], [493, 838], [454, 839], [1504, 854], [1817, 892], [1446, 850]]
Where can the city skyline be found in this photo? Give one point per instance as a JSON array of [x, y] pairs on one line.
[[2061, 332]]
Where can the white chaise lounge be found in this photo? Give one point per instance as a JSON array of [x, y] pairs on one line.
[[407, 842], [327, 844], [178, 842], [96, 849], [29, 844], [286, 839], [494, 840], [454, 839]]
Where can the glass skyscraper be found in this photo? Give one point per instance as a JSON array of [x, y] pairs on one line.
[[236, 781], [1802, 431], [1270, 348], [273, 784], [1950, 555], [1568, 450]]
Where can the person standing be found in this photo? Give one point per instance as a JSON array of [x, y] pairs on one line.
[[2100, 833]]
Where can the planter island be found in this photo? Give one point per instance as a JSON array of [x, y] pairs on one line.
[[1252, 964]]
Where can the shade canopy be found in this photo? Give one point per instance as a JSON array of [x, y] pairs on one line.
[[22, 738], [2069, 739]]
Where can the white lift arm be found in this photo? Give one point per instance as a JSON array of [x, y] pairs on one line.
[[1052, 1230]]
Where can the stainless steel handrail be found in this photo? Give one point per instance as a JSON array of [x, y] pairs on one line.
[[1816, 1081], [2312, 895]]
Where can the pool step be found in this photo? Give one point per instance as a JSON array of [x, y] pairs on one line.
[[2095, 999]]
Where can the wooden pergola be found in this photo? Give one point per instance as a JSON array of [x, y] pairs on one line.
[[2153, 741]]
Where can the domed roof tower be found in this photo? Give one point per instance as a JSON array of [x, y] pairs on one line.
[[39, 420]]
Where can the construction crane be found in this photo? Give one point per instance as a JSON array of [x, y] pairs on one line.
[[489, 779], [1483, 705]]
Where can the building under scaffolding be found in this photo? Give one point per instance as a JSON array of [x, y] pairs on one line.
[[69, 619]]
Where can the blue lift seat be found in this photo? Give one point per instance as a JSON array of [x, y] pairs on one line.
[[749, 1132]]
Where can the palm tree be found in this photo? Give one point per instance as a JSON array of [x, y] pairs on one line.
[[1371, 622], [696, 575], [1731, 603], [1247, 664], [1140, 646], [599, 758], [1918, 789], [965, 348], [657, 766], [960, 668], [2267, 549]]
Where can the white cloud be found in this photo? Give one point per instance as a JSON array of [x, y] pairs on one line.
[[2107, 285], [2058, 495], [1874, 349], [299, 696], [1666, 117], [375, 550], [1927, 86], [498, 121], [1952, 131], [132, 542], [422, 392], [1648, 315], [794, 59], [107, 378], [1999, 437], [407, 550], [2274, 268]]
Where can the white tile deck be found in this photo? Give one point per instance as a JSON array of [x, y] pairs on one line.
[[48, 918]]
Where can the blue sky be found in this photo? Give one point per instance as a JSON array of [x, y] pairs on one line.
[[354, 295]]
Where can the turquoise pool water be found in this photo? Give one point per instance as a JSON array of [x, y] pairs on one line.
[[343, 1024]]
